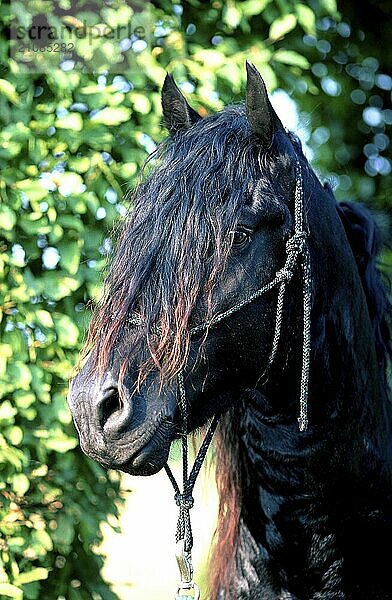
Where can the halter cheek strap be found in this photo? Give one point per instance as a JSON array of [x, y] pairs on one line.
[[297, 251]]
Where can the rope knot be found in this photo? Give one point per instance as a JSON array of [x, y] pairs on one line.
[[296, 243], [185, 501], [284, 274]]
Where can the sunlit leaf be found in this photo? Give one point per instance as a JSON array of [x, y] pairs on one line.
[[7, 218], [5, 353], [10, 591], [253, 7], [141, 103], [34, 190], [306, 18], [330, 7], [20, 484], [71, 121], [281, 26], [34, 575], [7, 412], [8, 89], [67, 331], [112, 115], [231, 15], [289, 57], [44, 318], [212, 58], [15, 435], [60, 442], [43, 538]]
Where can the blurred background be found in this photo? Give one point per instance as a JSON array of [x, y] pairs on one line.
[[80, 111]]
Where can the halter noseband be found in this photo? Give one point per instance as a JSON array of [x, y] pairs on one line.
[[297, 251]]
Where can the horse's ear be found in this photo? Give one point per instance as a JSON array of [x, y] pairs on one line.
[[177, 113], [262, 118]]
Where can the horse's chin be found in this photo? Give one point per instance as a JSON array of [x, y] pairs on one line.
[[136, 454], [149, 459]]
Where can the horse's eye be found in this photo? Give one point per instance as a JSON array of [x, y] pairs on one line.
[[240, 238]]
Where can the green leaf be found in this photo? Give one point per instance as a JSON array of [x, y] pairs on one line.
[[12, 456], [33, 226], [112, 115], [10, 591], [65, 530], [67, 331], [20, 376], [72, 121], [20, 484], [70, 255], [289, 57], [33, 189], [9, 91], [253, 7], [15, 435], [7, 218], [280, 27], [141, 103], [60, 442], [330, 7], [33, 284], [7, 411], [60, 409], [5, 354], [57, 286], [306, 18], [18, 342], [71, 222], [231, 15], [44, 318], [34, 575]]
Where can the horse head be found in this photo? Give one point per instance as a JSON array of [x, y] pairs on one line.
[[209, 227]]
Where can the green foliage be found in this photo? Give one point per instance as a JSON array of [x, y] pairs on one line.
[[71, 145], [51, 498]]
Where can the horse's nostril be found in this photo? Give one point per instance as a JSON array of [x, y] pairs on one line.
[[110, 404]]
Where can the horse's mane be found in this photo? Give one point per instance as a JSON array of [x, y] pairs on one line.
[[366, 243], [174, 245]]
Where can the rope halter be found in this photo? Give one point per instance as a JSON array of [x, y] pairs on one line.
[[297, 252]]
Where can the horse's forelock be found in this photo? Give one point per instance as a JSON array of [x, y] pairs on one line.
[[174, 246]]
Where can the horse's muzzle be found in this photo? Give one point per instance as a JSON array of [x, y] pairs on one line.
[[131, 432]]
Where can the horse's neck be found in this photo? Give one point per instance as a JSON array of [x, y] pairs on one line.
[[301, 492]]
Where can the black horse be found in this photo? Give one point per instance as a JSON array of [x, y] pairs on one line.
[[304, 514]]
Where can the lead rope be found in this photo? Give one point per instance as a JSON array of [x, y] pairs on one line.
[[296, 248], [184, 538]]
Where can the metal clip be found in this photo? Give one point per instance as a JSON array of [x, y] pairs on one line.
[[192, 593], [187, 588]]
